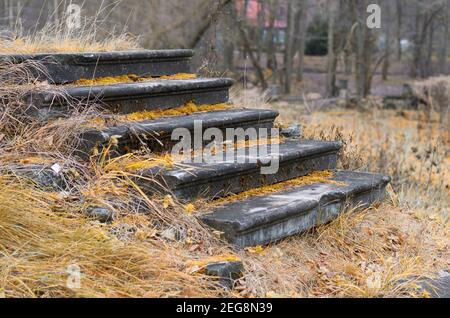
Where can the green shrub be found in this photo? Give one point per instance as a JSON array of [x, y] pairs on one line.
[[317, 37]]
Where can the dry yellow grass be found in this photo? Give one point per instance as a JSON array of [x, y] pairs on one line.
[[65, 43], [376, 253], [380, 252], [59, 37]]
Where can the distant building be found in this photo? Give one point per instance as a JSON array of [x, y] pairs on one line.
[[254, 12]]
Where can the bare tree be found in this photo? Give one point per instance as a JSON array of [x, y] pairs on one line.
[[399, 9], [365, 49], [332, 60], [387, 40], [288, 47], [300, 34]]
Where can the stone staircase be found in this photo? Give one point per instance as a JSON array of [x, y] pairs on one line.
[[248, 207]]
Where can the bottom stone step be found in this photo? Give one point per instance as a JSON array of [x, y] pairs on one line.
[[261, 220]]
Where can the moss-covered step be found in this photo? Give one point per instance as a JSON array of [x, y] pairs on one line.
[[130, 97], [260, 220], [245, 171], [156, 134], [68, 67]]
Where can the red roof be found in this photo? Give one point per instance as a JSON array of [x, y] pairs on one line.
[[254, 8]]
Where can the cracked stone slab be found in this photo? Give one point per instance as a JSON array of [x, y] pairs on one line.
[[212, 180], [132, 97], [226, 272], [438, 287], [156, 134], [69, 67], [265, 219], [45, 176]]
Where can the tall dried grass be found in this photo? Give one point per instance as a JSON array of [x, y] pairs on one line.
[[39, 242], [94, 34]]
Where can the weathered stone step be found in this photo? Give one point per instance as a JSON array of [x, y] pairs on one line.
[[133, 97], [67, 67], [265, 219], [243, 172], [157, 133]]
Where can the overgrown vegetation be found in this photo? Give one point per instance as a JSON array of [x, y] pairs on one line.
[[155, 247]]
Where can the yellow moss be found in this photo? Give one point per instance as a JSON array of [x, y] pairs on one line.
[[132, 163], [258, 142], [255, 250], [179, 76], [189, 209], [168, 201], [315, 177], [36, 160], [186, 109], [130, 78]]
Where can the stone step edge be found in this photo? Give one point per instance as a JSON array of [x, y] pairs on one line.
[[302, 210], [219, 180], [128, 91], [68, 67], [83, 58], [201, 171], [163, 125], [255, 170]]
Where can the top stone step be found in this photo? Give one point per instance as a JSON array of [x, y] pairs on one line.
[[64, 68]]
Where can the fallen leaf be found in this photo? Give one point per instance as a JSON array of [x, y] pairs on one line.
[[141, 235], [56, 168], [272, 294], [194, 248], [218, 234], [169, 234], [255, 250], [114, 140], [373, 282], [190, 208], [168, 201]]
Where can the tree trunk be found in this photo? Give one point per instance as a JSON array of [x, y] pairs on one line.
[[288, 48], [387, 44], [428, 70], [364, 49], [271, 54], [227, 37], [262, 19], [251, 54], [399, 29], [208, 20], [332, 61], [443, 49], [417, 45], [301, 39]]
